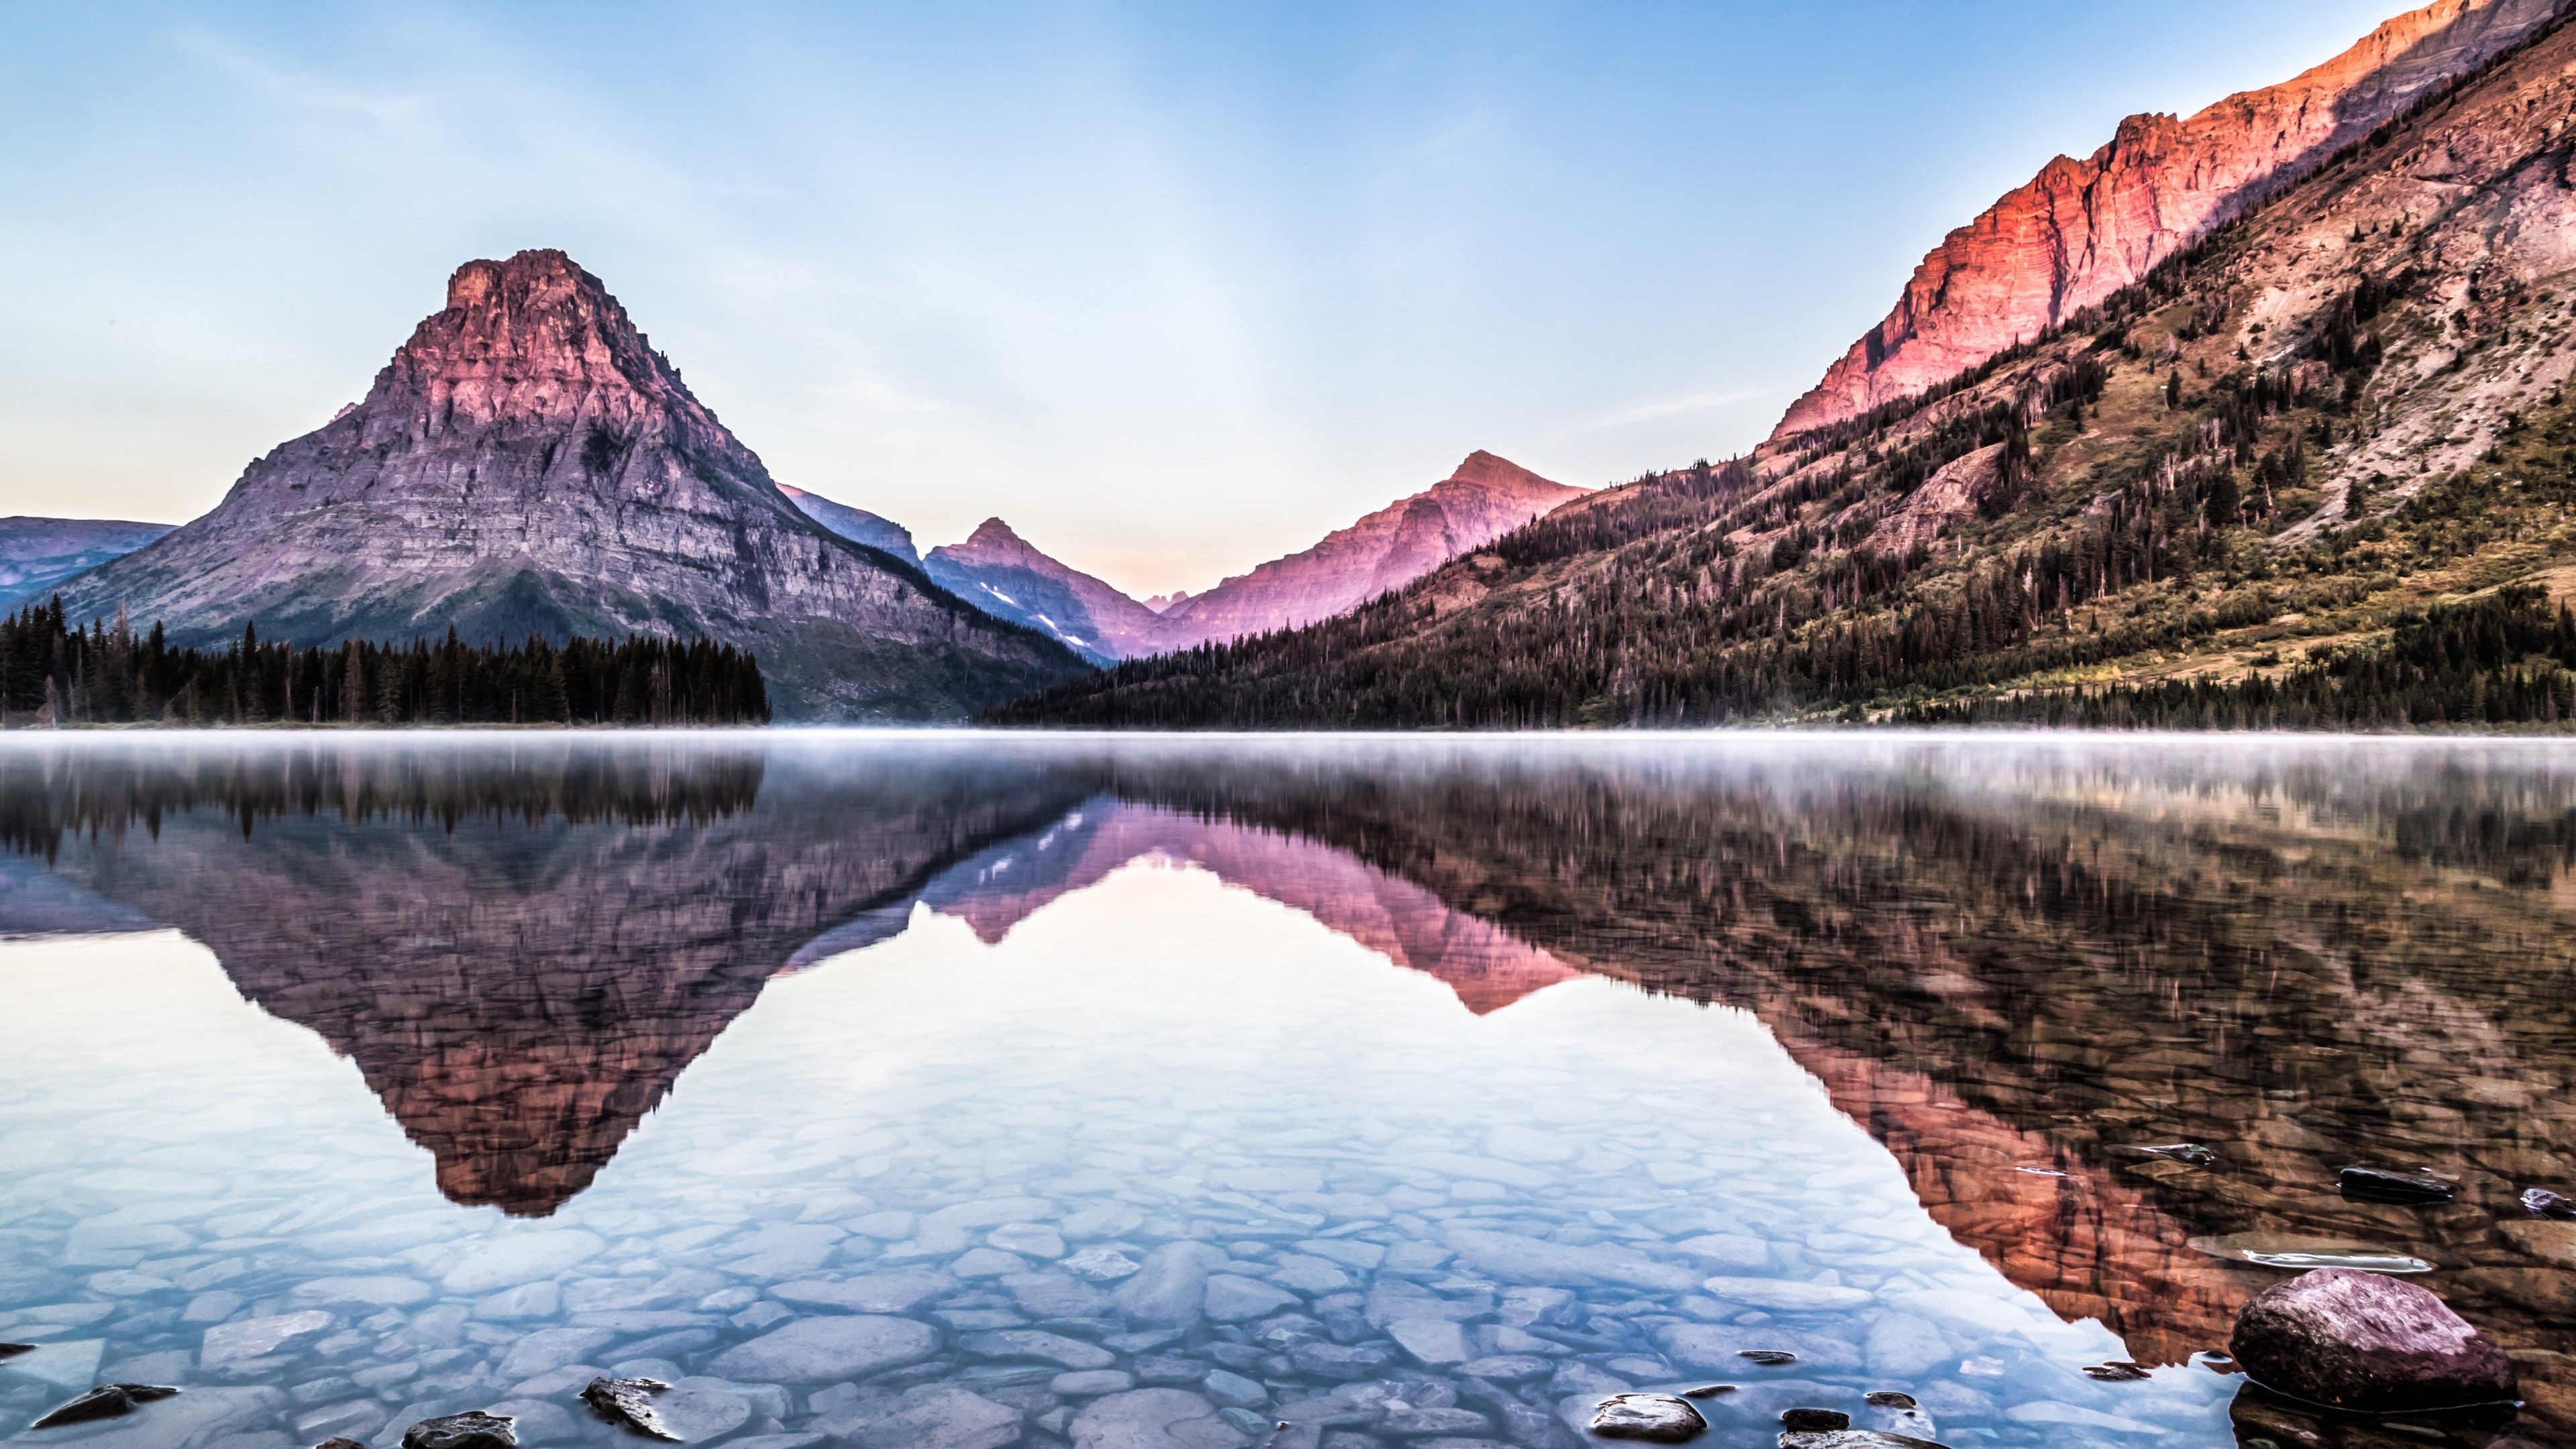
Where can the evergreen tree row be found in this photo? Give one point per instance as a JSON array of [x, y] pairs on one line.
[[53, 673], [2505, 659]]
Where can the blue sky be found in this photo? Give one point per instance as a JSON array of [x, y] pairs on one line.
[[1173, 288]]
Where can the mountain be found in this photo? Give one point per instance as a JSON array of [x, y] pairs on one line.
[[528, 463], [2279, 480], [1162, 603], [37, 553], [2082, 230], [999, 572], [856, 524], [1483, 500]]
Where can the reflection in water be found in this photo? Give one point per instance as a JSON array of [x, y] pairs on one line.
[[2012, 963]]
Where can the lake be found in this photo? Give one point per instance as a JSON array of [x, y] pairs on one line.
[[965, 1090]]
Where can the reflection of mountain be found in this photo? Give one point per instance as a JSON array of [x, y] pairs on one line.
[[1485, 966], [2302, 968], [520, 982], [2004, 973]]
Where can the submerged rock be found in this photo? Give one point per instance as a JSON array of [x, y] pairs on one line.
[[1814, 1421], [12, 1350], [2353, 1340], [1854, 1439], [339, 1443], [1708, 1391], [2190, 1152], [1889, 1399], [473, 1429], [629, 1402], [2539, 1201], [1768, 1357], [2375, 1184], [107, 1401], [1660, 1418]]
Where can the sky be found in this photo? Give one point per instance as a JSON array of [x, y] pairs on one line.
[[1172, 288]]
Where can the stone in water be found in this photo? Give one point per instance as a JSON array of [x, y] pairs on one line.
[[2117, 1371], [2366, 1342], [107, 1401], [12, 1350], [2191, 1152], [2375, 1184], [1814, 1421], [2539, 1201], [472, 1430], [629, 1402], [1768, 1357], [1657, 1417], [1855, 1439], [1889, 1399], [1708, 1391]]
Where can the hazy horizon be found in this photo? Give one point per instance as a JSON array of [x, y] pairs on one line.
[[1173, 292]]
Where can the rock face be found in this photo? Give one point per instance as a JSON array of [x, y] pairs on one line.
[[856, 524], [527, 463], [2081, 230], [38, 553], [2354, 1340], [999, 572], [1486, 498]]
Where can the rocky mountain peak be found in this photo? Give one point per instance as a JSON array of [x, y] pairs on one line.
[[993, 538], [2082, 229]]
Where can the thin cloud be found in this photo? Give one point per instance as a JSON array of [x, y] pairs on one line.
[[1671, 407], [301, 89]]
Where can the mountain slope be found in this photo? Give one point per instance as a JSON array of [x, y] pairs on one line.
[[2082, 230], [37, 553], [1001, 573], [2238, 476], [856, 524], [527, 463], [1484, 499]]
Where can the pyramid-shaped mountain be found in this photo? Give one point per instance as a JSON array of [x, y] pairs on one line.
[[528, 463]]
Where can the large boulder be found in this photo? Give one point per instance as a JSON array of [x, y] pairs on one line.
[[2353, 1340]]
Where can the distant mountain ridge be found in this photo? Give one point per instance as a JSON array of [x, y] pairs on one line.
[[856, 524], [999, 572], [528, 463], [38, 553], [1003, 574], [2081, 230], [1483, 499]]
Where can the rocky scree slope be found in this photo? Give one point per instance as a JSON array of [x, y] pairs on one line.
[[527, 463], [2348, 404], [2081, 230]]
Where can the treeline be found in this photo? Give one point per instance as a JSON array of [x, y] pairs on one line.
[[54, 673], [2504, 659]]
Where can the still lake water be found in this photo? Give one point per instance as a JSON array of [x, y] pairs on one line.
[[963, 1091]]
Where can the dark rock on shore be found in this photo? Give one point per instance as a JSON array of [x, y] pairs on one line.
[[107, 1401], [2363, 1341], [1659, 1418], [2374, 1184], [471, 1430], [629, 1402]]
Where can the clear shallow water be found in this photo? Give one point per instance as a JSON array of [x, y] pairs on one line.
[[965, 1092]]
